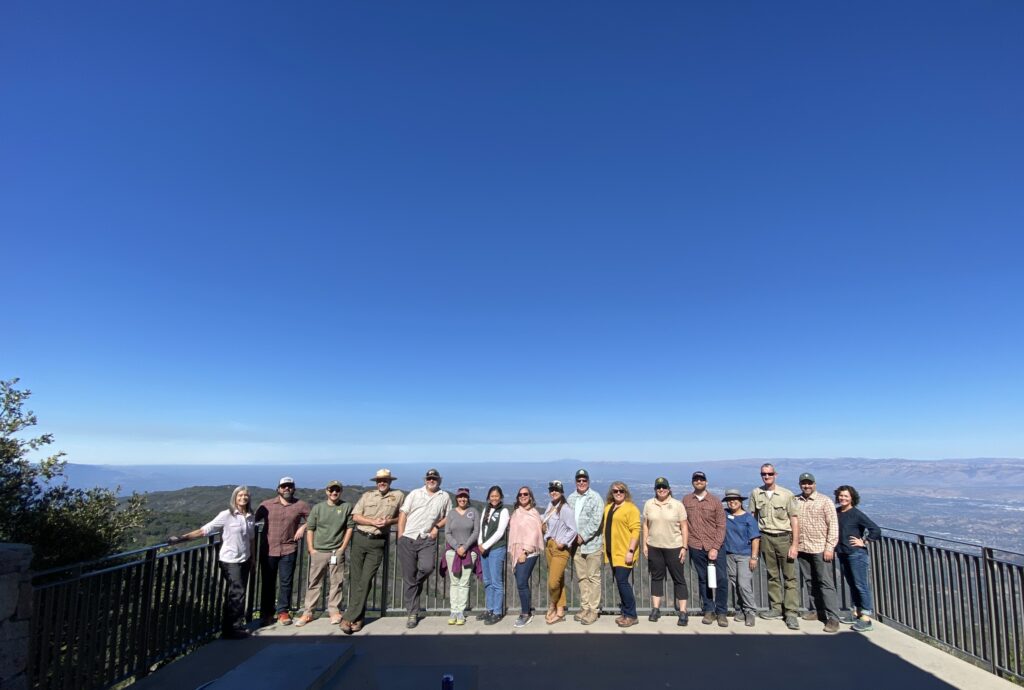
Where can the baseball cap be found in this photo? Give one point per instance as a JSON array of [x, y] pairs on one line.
[[698, 475], [807, 477]]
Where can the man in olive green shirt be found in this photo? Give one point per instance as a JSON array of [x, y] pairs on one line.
[[328, 531], [776, 511]]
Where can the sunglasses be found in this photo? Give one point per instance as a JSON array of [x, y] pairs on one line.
[[618, 491], [286, 486], [767, 474], [334, 490], [524, 495], [582, 481]]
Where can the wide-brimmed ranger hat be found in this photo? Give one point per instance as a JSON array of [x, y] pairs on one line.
[[383, 474], [732, 494]]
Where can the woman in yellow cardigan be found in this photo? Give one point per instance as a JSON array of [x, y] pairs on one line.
[[621, 528]]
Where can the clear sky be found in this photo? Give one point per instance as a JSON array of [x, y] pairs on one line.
[[430, 231]]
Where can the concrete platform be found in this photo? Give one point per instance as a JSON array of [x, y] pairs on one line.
[[649, 655]]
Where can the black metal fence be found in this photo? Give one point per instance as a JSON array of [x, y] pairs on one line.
[[966, 599], [97, 624]]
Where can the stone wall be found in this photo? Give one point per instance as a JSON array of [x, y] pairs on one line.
[[15, 615]]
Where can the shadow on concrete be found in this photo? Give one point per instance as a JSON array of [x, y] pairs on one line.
[[631, 660]]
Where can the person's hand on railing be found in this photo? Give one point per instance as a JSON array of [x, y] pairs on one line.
[[175, 539]]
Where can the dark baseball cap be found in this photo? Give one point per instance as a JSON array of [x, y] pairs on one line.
[[698, 475], [807, 477], [582, 474], [661, 483], [432, 474]]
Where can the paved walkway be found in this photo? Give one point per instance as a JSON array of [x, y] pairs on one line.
[[649, 655]]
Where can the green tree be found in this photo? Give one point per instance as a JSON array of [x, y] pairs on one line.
[[37, 507]]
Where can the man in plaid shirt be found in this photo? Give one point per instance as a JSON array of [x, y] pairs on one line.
[[819, 534]]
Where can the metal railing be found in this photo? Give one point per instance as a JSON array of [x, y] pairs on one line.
[[97, 624]]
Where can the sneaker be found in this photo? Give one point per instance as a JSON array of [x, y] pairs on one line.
[[684, 619], [749, 619], [723, 620], [848, 618], [770, 614], [483, 616], [654, 615], [493, 618], [284, 618], [792, 622], [863, 625], [739, 616], [451, 619], [303, 620], [523, 620], [412, 621], [832, 625], [708, 618], [810, 616], [460, 619]]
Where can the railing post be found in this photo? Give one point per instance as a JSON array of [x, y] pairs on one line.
[[146, 614], [990, 614]]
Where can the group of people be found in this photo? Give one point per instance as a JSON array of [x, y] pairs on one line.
[[725, 545]]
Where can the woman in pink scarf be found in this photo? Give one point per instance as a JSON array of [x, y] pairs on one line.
[[525, 544]]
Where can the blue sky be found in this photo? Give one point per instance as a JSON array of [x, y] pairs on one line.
[[406, 231]]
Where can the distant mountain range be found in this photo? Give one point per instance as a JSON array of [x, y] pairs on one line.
[[946, 476]]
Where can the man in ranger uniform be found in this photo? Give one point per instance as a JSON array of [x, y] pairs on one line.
[[375, 512], [776, 510]]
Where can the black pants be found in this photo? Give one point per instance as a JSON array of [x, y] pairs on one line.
[[667, 560], [236, 576]]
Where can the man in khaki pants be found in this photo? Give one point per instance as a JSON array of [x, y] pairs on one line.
[[328, 532], [588, 507]]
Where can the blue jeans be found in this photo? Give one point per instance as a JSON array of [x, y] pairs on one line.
[[494, 579], [699, 560], [523, 573], [855, 566], [628, 600], [272, 567]]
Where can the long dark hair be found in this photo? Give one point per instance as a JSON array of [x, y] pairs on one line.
[[488, 508]]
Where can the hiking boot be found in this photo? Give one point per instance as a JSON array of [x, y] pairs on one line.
[[627, 622], [578, 616], [749, 619], [523, 620], [770, 614], [723, 620], [590, 617], [832, 625], [792, 622], [739, 616], [284, 618], [863, 625], [684, 619], [412, 621], [483, 616], [709, 618], [654, 615], [303, 620], [493, 618], [810, 616]]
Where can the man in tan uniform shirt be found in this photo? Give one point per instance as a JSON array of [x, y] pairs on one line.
[[375, 512]]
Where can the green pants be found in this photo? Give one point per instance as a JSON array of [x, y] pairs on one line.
[[781, 572], [365, 557]]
